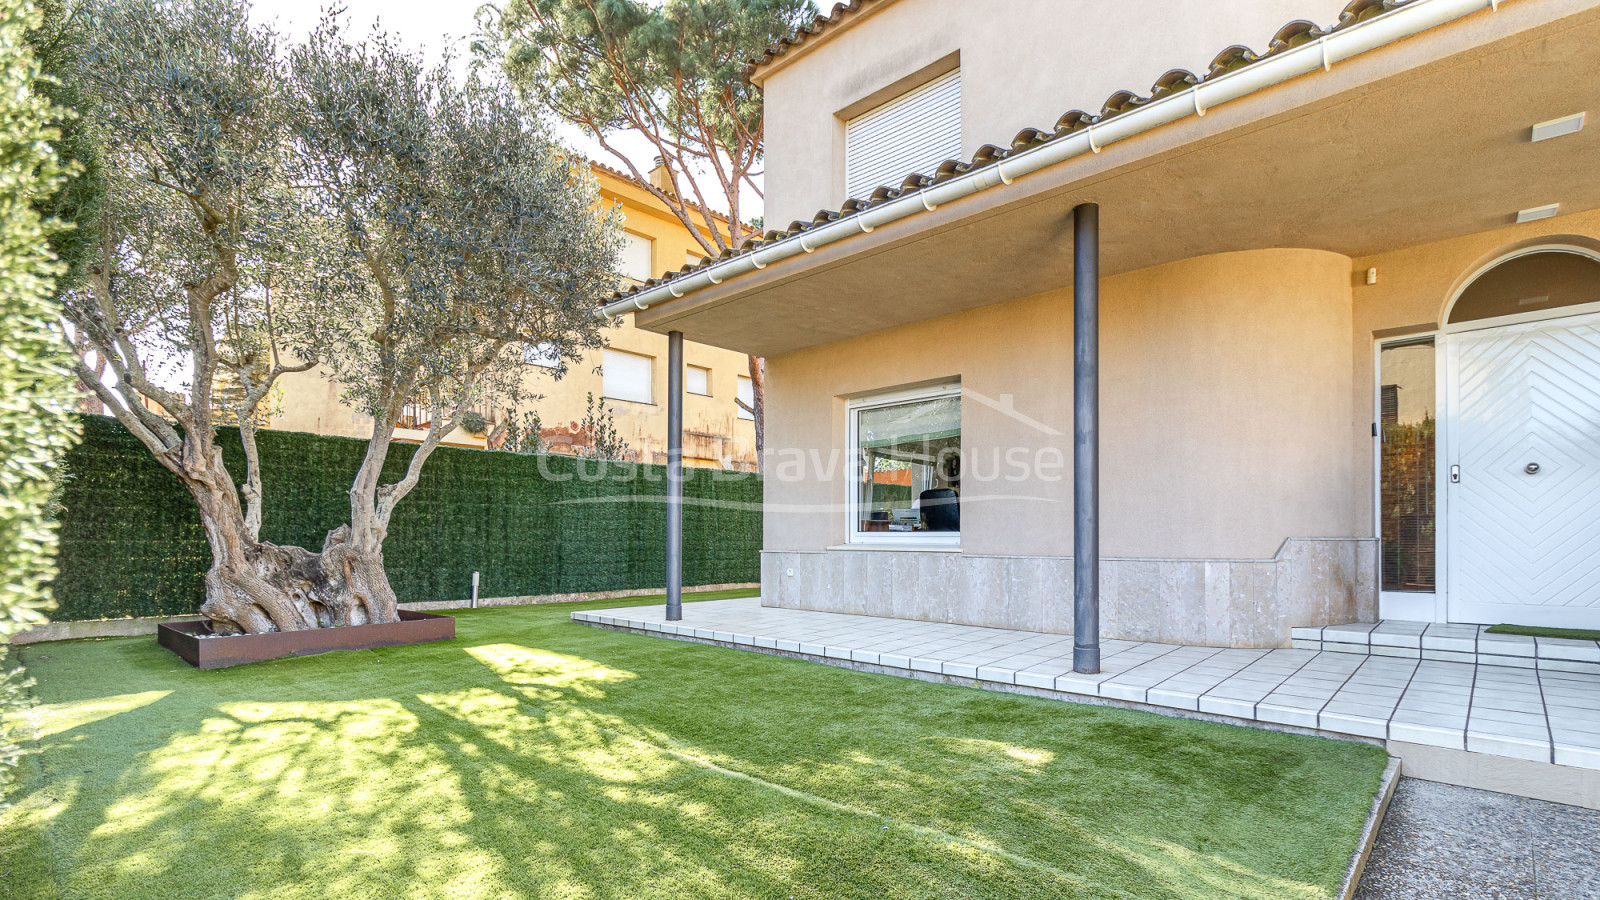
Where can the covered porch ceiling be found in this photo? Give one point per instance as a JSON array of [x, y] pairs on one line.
[[1417, 141]]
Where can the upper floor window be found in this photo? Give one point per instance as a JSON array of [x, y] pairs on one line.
[[542, 354], [746, 393], [914, 132], [626, 376], [697, 380], [635, 259]]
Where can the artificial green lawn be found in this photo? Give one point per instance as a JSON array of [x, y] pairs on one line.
[[1570, 634], [534, 757]]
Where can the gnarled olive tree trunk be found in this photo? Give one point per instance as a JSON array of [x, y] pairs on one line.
[[256, 586]]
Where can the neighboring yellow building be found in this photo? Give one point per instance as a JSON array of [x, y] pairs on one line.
[[630, 372]]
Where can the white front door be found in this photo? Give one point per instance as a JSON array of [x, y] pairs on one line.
[[1523, 474]]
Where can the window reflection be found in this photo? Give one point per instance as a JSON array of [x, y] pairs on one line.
[[1406, 397], [909, 456]]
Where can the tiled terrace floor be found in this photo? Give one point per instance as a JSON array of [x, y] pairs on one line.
[[1540, 714]]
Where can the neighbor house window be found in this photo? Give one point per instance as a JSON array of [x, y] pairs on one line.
[[747, 397], [697, 380], [906, 467], [914, 132], [1406, 492], [542, 354], [635, 260], [693, 258], [626, 376]]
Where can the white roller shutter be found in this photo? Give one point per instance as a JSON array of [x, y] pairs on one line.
[[634, 261], [697, 380], [747, 393], [626, 376], [914, 132]]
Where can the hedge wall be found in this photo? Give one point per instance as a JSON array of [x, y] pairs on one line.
[[131, 542]]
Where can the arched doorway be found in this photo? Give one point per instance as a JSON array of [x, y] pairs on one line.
[[1520, 461]]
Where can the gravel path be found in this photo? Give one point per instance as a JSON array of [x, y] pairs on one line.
[[1441, 842]]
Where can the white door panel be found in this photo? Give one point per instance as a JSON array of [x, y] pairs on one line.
[[1524, 547]]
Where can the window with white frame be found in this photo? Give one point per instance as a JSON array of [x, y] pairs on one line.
[[914, 132], [626, 376], [697, 380], [906, 462], [693, 258], [543, 354], [635, 259], [747, 397]]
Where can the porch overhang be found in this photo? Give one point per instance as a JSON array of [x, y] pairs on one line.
[[1415, 140]]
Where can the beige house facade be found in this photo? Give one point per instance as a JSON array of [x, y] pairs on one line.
[[629, 373], [1348, 328]]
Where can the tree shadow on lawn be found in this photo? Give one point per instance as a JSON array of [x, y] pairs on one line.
[[513, 763]]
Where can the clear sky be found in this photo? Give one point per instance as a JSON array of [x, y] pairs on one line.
[[428, 26]]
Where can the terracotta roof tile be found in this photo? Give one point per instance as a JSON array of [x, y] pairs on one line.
[[1229, 60], [629, 178], [817, 25]]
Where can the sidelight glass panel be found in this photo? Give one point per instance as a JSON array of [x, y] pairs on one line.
[[1406, 490]]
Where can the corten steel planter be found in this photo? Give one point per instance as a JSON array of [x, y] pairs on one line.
[[184, 639]]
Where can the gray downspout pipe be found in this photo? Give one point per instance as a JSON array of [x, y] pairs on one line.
[[1086, 438], [674, 476]]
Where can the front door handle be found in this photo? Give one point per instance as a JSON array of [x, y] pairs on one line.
[[1455, 474]]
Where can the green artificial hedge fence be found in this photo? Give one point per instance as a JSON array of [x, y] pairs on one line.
[[131, 542]]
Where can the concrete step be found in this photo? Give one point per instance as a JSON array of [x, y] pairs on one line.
[[1451, 643]]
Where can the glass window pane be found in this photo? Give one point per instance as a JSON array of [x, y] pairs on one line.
[[909, 457], [1543, 280], [1406, 487], [543, 354]]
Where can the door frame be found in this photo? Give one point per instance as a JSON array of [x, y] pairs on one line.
[[1420, 605]]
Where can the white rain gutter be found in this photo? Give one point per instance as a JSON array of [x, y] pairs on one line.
[[1405, 21]]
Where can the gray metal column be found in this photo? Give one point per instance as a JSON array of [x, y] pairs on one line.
[[674, 476], [1086, 438]]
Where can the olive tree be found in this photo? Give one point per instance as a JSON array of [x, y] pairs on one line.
[[337, 205]]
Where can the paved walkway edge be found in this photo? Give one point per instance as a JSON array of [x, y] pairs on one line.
[[1551, 783], [999, 687], [1369, 833]]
